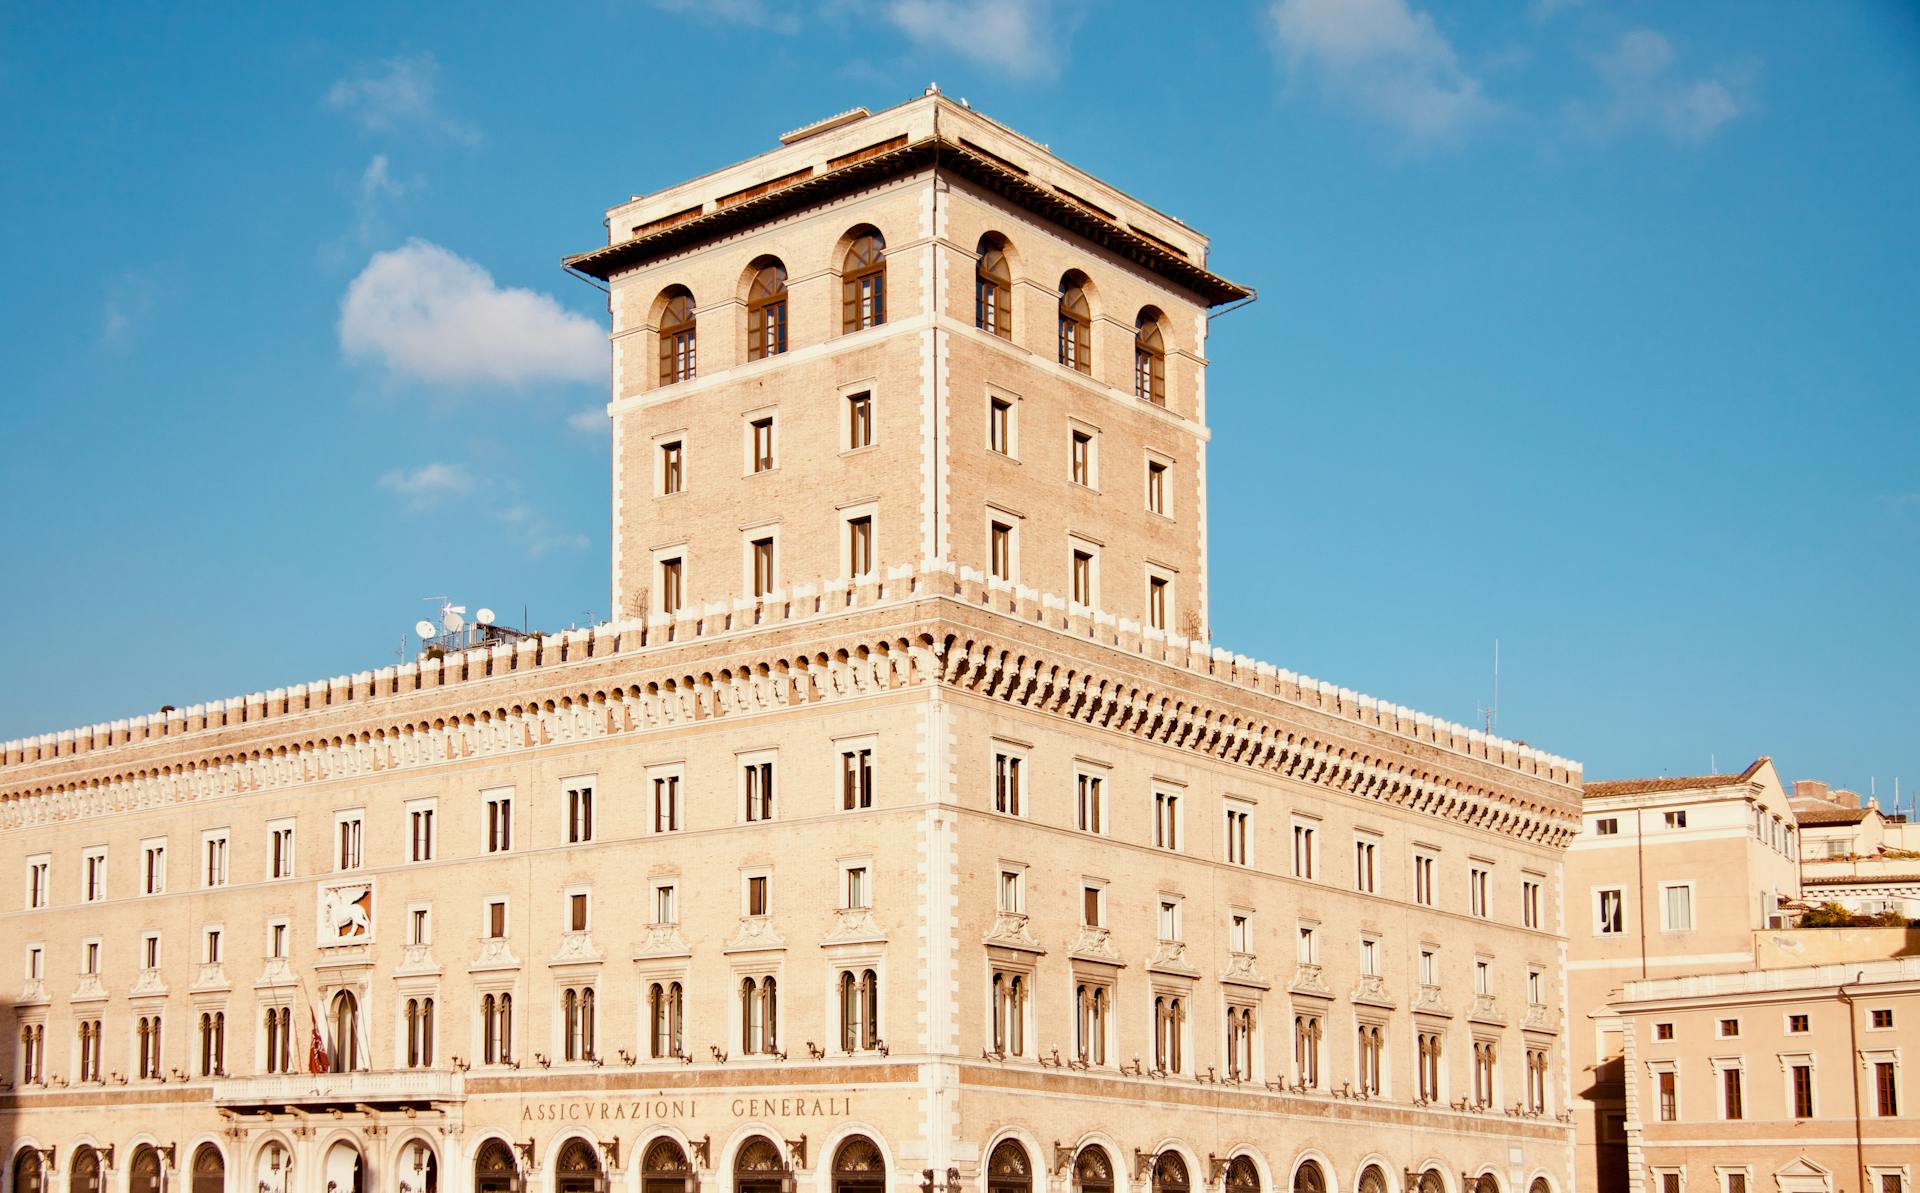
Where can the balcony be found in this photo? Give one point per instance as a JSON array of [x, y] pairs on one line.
[[399, 1088]]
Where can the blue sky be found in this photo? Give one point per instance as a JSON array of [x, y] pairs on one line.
[[1584, 326]]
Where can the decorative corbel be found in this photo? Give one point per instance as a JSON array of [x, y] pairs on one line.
[[703, 1151], [797, 1152], [1140, 1162], [610, 1152], [1216, 1168], [526, 1153], [1062, 1156]]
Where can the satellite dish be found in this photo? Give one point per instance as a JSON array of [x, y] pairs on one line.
[[423, 628], [453, 622], [484, 617]]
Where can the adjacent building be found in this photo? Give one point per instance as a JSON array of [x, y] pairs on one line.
[[902, 832], [1855, 853]]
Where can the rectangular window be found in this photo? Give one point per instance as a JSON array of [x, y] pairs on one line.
[[860, 545], [1082, 577], [1156, 487], [1240, 933], [1797, 1024], [1669, 1096], [672, 468], [1169, 919], [1429, 968], [499, 823], [666, 903], [150, 951], [1369, 957], [1607, 826], [760, 444], [213, 849], [420, 833], [1093, 901], [666, 803], [419, 925], [1309, 945], [37, 870], [1880, 1018], [856, 778], [1080, 458], [1090, 811], [579, 811], [1158, 598], [756, 779], [1303, 848], [1013, 891], [93, 867], [1663, 1031], [1729, 1029], [153, 872], [1363, 856], [1609, 909], [210, 954], [760, 562], [577, 911], [1006, 782], [1536, 988], [1482, 976], [277, 940], [672, 580], [347, 827], [1423, 879], [1732, 1093], [1166, 820], [1479, 900], [859, 421], [855, 893], [1239, 833], [1000, 426], [1886, 1089], [1000, 549], [1530, 903], [280, 850], [757, 896], [1802, 1091], [1677, 819], [496, 919], [1676, 908]]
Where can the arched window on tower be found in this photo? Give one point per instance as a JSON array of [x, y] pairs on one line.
[[1149, 358], [863, 282], [993, 289], [767, 312], [1076, 323], [679, 350]]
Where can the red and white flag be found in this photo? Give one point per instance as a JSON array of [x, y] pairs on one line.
[[316, 1051]]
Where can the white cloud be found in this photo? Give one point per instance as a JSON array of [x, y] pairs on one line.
[[1015, 36], [373, 192], [1385, 58], [592, 420], [427, 485], [537, 534], [1642, 89], [425, 312], [399, 94], [753, 13]]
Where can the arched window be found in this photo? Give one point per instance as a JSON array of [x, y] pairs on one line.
[[1373, 1180], [664, 1008], [1242, 1176], [1092, 1171], [859, 1010], [993, 289], [345, 1020], [213, 1044], [1486, 1183], [1076, 323], [419, 1033], [578, 1168], [679, 351], [1090, 1029], [279, 1039], [767, 312], [1372, 1048], [1169, 1025], [1430, 1182], [1539, 1185], [83, 1172], [210, 1170], [496, 1029], [1009, 1013], [863, 283], [759, 1015], [27, 1173], [147, 1035], [1308, 1178], [1008, 1169], [344, 1170], [1170, 1173], [576, 1010], [1149, 358], [858, 1167], [664, 1168], [1240, 1043], [757, 1167], [493, 1168], [143, 1175]]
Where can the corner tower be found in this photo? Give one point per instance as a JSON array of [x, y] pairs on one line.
[[906, 337]]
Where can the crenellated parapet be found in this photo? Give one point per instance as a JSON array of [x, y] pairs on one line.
[[908, 627]]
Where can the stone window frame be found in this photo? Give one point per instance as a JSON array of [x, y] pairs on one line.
[[345, 816], [1092, 433], [1720, 1065], [681, 436], [1101, 772], [45, 891], [1022, 752], [1000, 515], [770, 414], [489, 796], [147, 846], [769, 529], [745, 760], [1148, 459], [588, 781], [1693, 918], [655, 772], [845, 866], [89, 855], [291, 825], [848, 391], [1168, 576], [223, 836]]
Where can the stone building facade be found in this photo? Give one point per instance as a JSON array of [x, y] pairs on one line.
[[901, 832]]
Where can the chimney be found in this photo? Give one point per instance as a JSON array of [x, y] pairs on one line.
[[1810, 789]]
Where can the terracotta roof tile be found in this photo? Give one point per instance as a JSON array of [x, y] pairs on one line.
[[1857, 879], [1831, 815], [1676, 783]]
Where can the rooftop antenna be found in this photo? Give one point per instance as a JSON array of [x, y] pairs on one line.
[[1713, 763], [1490, 713]]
